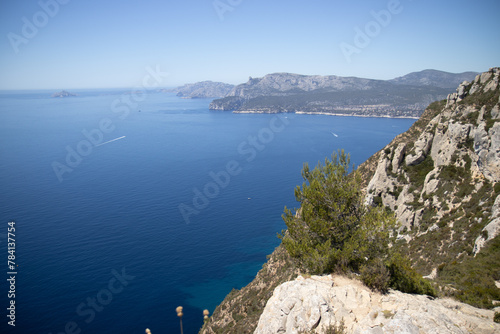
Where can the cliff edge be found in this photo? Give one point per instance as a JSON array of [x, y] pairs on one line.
[[324, 303]]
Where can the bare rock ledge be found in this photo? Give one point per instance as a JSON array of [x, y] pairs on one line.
[[318, 302]]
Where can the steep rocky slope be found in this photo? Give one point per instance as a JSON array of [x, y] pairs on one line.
[[442, 180]]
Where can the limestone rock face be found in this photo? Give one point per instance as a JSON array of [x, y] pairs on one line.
[[487, 147], [491, 230], [422, 146], [462, 141], [318, 302]]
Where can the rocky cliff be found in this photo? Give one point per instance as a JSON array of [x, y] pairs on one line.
[[441, 178], [285, 92], [325, 303]]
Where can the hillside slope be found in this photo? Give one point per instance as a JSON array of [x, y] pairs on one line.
[[434, 78], [442, 180], [286, 92]]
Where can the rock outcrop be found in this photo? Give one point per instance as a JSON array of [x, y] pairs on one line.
[[322, 302]]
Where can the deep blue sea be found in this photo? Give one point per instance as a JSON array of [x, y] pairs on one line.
[[124, 212]]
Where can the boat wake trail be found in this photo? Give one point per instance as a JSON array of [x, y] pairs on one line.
[[109, 141]]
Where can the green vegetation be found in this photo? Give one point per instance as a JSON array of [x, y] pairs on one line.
[[418, 172], [488, 99], [405, 279], [472, 280], [335, 232]]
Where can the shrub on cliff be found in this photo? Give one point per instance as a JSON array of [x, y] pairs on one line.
[[405, 279], [334, 230]]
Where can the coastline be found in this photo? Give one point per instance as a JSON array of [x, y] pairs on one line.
[[323, 113], [351, 115]]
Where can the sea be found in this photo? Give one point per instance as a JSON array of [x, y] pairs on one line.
[[118, 206]]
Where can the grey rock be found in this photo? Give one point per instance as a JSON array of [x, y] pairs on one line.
[[398, 157], [487, 148], [421, 148], [323, 301]]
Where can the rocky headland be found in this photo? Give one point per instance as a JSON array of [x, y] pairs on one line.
[[441, 179], [405, 96]]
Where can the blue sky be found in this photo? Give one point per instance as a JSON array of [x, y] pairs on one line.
[[100, 44]]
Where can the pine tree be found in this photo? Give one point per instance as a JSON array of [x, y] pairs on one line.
[[333, 230]]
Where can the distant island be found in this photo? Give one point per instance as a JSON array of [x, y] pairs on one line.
[[63, 93], [405, 96]]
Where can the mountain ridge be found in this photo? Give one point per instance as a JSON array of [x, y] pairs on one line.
[[203, 90], [288, 92], [431, 77]]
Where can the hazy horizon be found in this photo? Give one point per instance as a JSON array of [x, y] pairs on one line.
[[64, 44], [57, 89]]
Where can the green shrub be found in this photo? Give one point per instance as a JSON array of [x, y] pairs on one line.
[[333, 230], [418, 172], [405, 279], [496, 318], [376, 276], [473, 278]]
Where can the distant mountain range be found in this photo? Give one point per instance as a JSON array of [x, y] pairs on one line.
[[405, 96], [435, 78], [203, 90]]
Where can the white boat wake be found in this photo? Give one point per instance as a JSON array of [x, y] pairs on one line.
[[109, 141]]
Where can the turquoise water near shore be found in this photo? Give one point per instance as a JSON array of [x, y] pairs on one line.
[[107, 247]]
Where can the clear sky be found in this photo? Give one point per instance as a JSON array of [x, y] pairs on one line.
[[109, 43]]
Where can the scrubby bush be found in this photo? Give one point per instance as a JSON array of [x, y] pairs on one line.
[[376, 276], [334, 230], [473, 278], [405, 279]]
